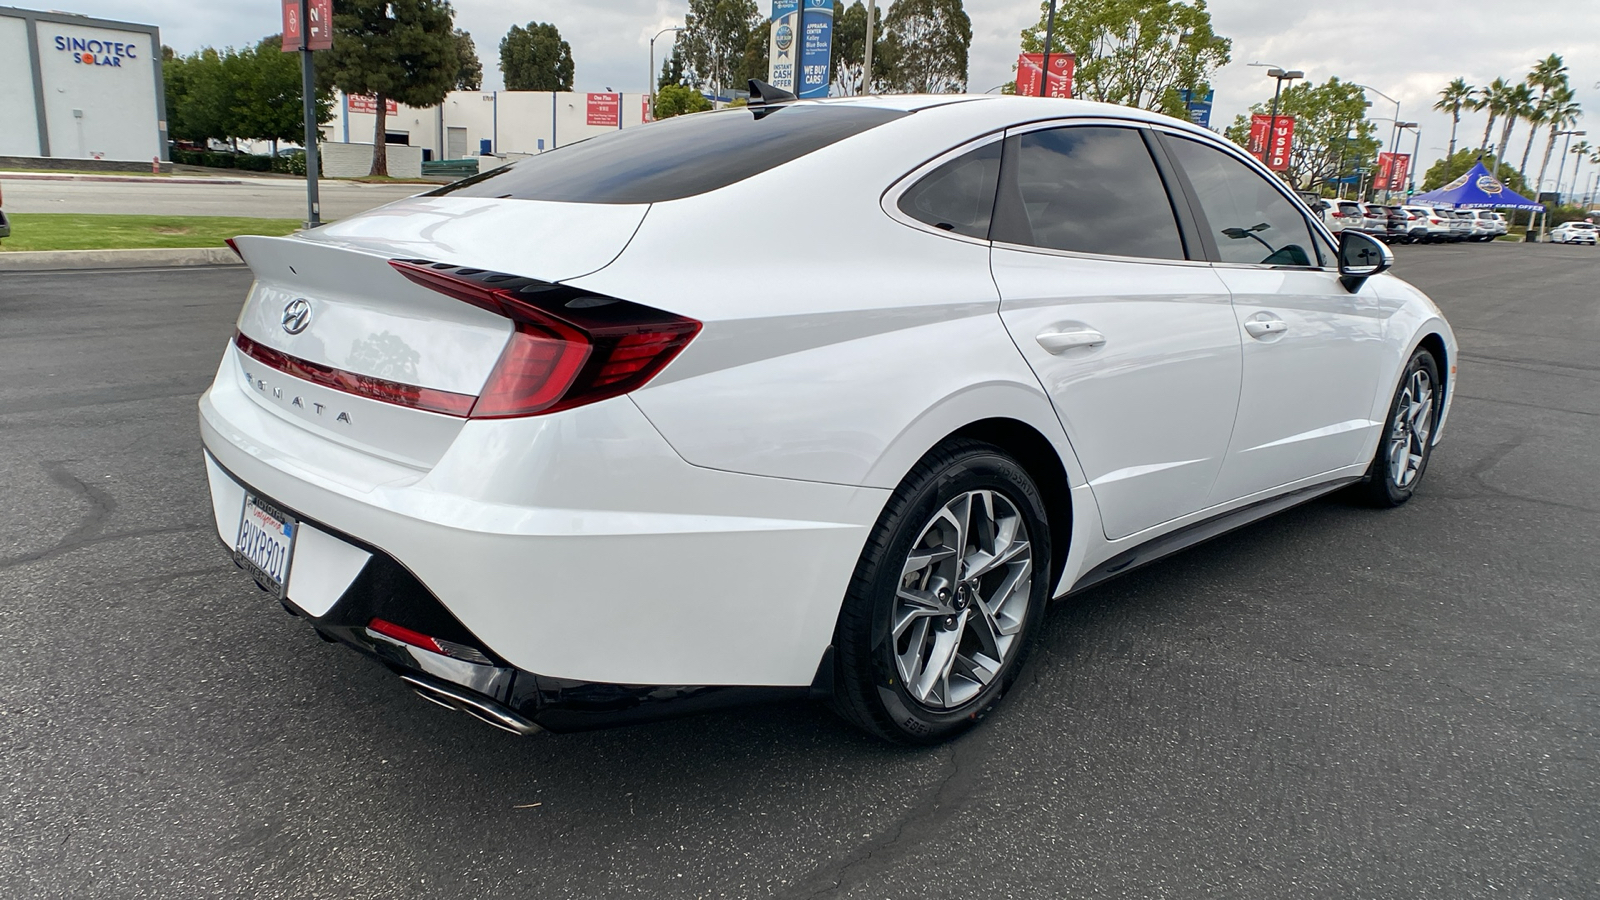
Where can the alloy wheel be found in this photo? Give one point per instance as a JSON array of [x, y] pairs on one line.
[[1411, 429], [962, 599]]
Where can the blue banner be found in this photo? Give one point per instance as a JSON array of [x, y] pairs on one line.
[[816, 48], [1199, 107]]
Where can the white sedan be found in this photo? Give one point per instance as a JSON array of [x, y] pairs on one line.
[[1573, 233], [818, 399]]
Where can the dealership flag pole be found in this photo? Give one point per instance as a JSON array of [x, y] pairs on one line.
[[308, 97]]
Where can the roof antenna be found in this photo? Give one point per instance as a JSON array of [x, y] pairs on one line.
[[763, 94]]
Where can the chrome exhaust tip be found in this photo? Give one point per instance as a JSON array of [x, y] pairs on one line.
[[482, 709]]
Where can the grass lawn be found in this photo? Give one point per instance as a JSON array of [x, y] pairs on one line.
[[58, 231]]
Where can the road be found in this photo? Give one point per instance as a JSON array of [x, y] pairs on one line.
[[1335, 703], [260, 197]]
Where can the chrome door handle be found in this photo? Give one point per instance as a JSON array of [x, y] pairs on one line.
[[1265, 325], [1062, 341]]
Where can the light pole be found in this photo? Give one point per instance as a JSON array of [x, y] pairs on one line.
[[651, 84], [1411, 169], [1049, 38], [1394, 133], [1281, 75], [1561, 171]]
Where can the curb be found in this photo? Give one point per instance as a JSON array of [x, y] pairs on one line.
[[56, 260], [126, 179]]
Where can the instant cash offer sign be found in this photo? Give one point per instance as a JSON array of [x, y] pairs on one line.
[[783, 47]]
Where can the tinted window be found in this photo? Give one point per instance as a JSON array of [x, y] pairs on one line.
[[1088, 189], [678, 157], [1251, 221], [959, 195]]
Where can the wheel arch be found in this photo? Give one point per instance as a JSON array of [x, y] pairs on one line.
[[1038, 456]]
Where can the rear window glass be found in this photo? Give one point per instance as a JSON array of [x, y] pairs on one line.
[[959, 195], [675, 158]]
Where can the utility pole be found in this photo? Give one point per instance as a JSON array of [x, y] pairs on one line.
[[1272, 127], [1049, 39], [650, 86], [866, 71]]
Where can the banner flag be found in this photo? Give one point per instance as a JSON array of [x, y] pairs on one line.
[[816, 48], [1031, 65]]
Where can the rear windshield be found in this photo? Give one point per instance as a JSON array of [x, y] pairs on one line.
[[1349, 207], [674, 158]]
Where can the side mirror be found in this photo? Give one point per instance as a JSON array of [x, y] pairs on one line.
[[1360, 258]]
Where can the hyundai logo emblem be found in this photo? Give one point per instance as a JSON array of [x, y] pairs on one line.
[[297, 316]]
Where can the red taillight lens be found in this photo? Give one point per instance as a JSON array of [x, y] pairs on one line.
[[436, 645], [570, 347], [234, 247], [351, 383]]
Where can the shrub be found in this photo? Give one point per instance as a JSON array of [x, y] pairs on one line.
[[253, 163], [217, 160]]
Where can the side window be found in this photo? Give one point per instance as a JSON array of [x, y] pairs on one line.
[[1251, 220], [1090, 189], [959, 195]]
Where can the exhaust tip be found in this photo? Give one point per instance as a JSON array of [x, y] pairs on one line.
[[482, 709]]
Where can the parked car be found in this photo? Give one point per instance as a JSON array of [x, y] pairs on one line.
[[516, 442], [1501, 226], [1460, 224], [1573, 233], [1342, 214], [1375, 220], [1428, 226], [5, 223], [1399, 225], [1482, 221]]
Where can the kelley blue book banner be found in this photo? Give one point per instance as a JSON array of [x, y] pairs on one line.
[[783, 48], [816, 47]]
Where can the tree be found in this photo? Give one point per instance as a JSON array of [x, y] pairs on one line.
[[1548, 74], [1134, 52], [266, 102], [536, 58], [1518, 106], [1562, 112], [401, 50], [679, 99], [1494, 98], [1455, 95], [1444, 171], [925, 46], [672, 71], [1332, 136], [715, 43], [199, 97], [469, 77], [850, 47]]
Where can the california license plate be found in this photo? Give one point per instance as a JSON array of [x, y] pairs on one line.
[[265, 545]]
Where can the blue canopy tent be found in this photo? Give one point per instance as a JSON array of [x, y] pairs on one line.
[[1478, 189]]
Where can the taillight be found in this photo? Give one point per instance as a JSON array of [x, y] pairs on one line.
[[437, 645], [569, 346], [1338, 215], [234, 247]]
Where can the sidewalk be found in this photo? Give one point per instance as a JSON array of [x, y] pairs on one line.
[[136, 179]]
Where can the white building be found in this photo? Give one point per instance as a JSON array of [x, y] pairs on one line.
[[477, 123], [72, 87]]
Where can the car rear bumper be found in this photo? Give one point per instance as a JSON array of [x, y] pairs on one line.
[[577, 546]]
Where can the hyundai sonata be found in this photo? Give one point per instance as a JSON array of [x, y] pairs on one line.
[[817, 399]]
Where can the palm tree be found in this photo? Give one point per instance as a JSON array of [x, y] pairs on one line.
[[1493, 99], [1547, 75], [1563, 111], [1519, 105], [1455, 95], [1581, 151], [1537, 115]]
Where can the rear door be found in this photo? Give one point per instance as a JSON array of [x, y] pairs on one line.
[[1134, 341], [1313, 351]]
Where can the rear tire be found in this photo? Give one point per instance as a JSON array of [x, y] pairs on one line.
[[1407, 443], [945, 598]]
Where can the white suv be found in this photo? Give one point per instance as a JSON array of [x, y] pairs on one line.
[[1484, 227], [1432, 225]]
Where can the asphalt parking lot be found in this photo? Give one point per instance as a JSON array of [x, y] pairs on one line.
[[1334, 703]]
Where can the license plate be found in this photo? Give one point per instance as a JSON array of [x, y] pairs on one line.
[[265, 545]]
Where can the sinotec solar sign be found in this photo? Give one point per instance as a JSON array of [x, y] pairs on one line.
[[94, 52]]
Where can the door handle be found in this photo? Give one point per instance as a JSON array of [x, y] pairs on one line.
[[1265, 325], [1062, 341]]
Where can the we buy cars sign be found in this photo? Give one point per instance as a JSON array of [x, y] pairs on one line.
[[1030, 66], [605, 109], [1271, 142], [316, 33]]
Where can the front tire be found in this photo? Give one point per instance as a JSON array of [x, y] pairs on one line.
[[1407, 443], [945, 597]]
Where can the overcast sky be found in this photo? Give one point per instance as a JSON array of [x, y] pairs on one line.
[[1408, 49]]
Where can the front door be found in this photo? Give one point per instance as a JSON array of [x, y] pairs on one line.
[[1135, 343], [1313, 351]]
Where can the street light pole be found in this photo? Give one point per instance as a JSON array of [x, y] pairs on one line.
[[1394, 131], [308, 93], [1049, 38], [1411, 170], [650, 85], [1561, 171], [866, 69], [1272, 125]]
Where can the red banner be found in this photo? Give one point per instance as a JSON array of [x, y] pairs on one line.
[[368, 103], [1030, 66], [605, 109], [319, 17], [1271, 142], [646, 114], [1392, 171]]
